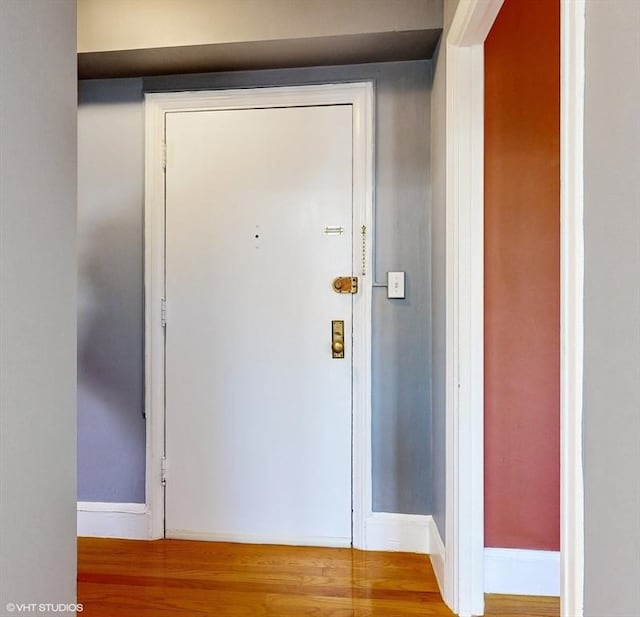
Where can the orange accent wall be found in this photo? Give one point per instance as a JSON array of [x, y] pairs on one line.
[[522, 277]]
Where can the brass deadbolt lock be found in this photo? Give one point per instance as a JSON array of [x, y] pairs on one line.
[[345, 284]]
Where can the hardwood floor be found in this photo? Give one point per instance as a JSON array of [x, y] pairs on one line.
[[521, 606], [171, 578]]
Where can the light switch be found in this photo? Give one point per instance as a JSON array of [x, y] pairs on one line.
[[395, 282]]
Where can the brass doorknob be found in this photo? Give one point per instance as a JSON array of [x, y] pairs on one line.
[[337, 347]]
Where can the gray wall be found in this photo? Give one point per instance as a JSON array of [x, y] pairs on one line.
[[37, 302], [401, 341], [612, 310], [111, 426], [438, 271]]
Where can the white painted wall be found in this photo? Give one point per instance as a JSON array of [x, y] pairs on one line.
[[37, 303]]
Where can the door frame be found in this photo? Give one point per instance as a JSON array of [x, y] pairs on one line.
[[572, 84], [463, 587], [463, 572], [361, 96]]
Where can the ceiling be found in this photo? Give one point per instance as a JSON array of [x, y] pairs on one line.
[[115, 38]]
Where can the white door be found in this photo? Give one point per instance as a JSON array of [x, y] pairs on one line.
[[258, 413]]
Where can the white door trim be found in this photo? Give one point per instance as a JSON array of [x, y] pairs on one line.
[[572, 80], [464, 535], [361, 96], [464, 532], [463, 568]]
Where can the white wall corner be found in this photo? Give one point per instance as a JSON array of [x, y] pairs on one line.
[[437, 554], [409, 533], [114, 520], [521, 572]]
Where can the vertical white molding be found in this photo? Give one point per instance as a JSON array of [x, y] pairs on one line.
[[363, 180], [572, 75], [153, 292], [464, 537]]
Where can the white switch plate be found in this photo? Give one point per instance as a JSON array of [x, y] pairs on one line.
[[395, 282]]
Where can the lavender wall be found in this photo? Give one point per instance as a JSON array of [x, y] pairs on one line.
[[111, 429], [111, 426]]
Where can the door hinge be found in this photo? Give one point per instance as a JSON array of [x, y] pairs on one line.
[[163, 312], [163, 470], [164, 155]]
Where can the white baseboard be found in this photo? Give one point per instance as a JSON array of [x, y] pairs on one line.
[[437, 554], [337, 542], [521, 572], [384, 531], [113, 520], [408, 533]]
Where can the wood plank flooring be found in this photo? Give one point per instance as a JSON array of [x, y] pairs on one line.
[[178, 578]]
